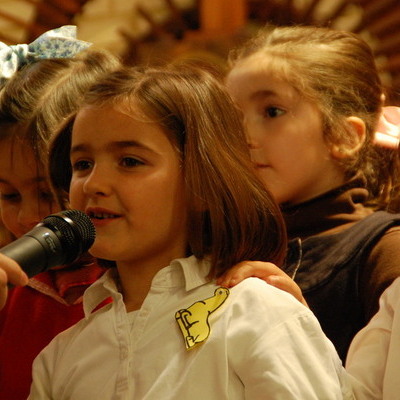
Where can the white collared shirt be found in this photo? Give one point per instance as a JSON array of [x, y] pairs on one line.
[[374, 355], [263, 344]]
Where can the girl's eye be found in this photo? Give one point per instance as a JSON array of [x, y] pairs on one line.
[[131, 162], [273, 112], [11, 197], [46, 196], [81, 165]]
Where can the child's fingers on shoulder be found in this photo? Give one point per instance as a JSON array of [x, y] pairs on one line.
[[246, 269], [285, 283]]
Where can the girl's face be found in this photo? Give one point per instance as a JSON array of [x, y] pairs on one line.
[[127, 177], [285, 134], [25, 196]]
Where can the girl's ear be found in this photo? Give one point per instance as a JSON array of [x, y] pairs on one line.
[[358, 135]]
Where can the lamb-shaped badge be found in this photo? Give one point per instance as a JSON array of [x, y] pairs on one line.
[[193, 321]]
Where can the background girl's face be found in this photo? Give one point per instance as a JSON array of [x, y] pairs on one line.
[[127, 177], [25, 196], [285, 133]]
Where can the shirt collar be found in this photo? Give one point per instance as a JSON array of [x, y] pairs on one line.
[[103, 288], [195, 271], [188, 272]]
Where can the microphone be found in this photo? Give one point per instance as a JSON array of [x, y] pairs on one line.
[[59, 239]]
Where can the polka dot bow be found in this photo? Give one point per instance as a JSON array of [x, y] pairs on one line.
[[57, 43]]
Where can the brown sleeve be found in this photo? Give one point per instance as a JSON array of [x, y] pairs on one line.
[[382, 267]]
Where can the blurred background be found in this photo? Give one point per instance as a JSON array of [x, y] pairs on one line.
[[158, 30]]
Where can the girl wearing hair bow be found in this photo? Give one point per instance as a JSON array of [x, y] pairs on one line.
[[42, 83], [312, 99]]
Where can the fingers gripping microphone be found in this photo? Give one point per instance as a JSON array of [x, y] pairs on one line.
[[59, 239]]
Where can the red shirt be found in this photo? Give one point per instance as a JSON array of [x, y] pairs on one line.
[[33, 315]]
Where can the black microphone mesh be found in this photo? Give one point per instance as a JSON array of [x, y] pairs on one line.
[[77, 232]]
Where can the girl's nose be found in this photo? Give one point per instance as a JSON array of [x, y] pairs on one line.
[[251, 135], [252, 145], [96, 184]]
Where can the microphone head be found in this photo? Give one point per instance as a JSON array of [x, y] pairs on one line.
[[75, 231]]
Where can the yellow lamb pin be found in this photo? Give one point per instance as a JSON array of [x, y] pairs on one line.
[[193, 321]]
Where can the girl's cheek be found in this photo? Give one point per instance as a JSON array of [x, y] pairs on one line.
[[73, 200], [75, 194], [55, 208]]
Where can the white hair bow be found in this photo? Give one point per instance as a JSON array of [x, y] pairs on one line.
[[57, 43]]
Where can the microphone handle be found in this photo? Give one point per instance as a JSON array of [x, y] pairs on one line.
[[37, 251]]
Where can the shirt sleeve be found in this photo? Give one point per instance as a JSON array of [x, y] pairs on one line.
[[280, 351], [41, 376], [373, 360]]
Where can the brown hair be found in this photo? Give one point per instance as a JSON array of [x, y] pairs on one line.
[[336, 71], [40, 95], [231, 215], [37, 99]]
